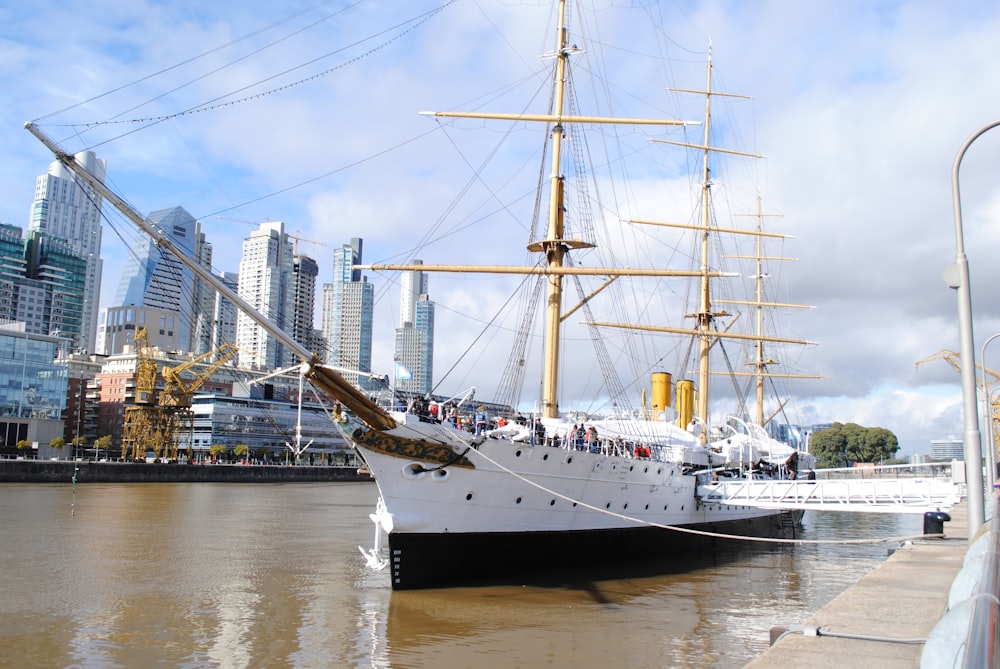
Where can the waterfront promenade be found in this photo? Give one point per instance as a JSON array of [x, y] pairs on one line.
[[903, 598]]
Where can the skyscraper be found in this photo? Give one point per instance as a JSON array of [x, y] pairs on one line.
[[348, 315], [414, 351], [203, 321], [12, 269], [305, 270], [282, 286], [55, 276], [156, 280], [224, 313], [41, 283], [69, 210]]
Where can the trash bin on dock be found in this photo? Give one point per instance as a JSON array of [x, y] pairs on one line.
[[934, 522]]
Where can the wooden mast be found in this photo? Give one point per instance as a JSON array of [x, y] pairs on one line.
[[704, 314], [762, 362], [554, 246]]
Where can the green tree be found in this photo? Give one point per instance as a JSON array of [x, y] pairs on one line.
[[23, 445], [217, 450], [241, 450], [840, 445], [829, 446], [79, 443], [102, 443]]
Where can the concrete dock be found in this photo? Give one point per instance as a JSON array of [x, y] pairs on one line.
[[903, 598]]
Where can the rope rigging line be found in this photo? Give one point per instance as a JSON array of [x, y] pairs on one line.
[[512, 380], [188, 61], [482, 332], [214, 103]]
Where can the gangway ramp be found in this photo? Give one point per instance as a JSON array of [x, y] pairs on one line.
[[877, 495]]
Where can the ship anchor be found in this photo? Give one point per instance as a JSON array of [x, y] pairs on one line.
[[373, 556]]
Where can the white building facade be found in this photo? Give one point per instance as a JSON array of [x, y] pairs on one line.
[[348, 316], [69, 210], [414, 349], [281, 285]]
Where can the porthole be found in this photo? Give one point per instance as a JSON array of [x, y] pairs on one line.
[[665, 506], [574, 504], [682, 507], [517, 501], [517, 454], [645, 470], [552, 502], [608, 505], [468, 497], [631, 467], [647, 507], [441, 474], [545, 457], [625, 507], [569, 459]]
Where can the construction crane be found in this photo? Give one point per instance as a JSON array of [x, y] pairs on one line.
[[145, 369], [140, 431], [989, 379], [297, 237], [176, 416], [159, 423], [178, 390]]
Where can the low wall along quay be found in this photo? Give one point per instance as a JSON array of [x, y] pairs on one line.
[[61, 471]]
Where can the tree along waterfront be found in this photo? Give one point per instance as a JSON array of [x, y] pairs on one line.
[[841, 445]]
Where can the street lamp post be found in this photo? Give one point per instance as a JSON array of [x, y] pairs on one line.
[[991, 453], [957, 276]]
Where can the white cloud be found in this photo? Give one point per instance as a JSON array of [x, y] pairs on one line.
[[858, 107]]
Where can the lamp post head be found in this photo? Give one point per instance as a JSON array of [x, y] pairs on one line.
[[952, 276]]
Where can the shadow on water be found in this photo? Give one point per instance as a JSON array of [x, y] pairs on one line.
[[595, 578]]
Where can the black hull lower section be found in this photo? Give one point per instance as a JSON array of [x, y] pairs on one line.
[[472, 559]]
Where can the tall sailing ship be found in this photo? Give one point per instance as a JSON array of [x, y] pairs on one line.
[[547, 489]]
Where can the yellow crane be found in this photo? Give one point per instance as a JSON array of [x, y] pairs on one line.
[[178, 390], [140, 431], [158, 424], [989, 379], [145, 369]]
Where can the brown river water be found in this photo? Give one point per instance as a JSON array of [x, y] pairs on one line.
[[269, 575]]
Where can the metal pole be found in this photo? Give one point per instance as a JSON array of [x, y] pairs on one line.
[[991, 453], [958, 277]]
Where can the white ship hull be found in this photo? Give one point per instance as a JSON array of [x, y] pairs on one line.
[[507, 509]]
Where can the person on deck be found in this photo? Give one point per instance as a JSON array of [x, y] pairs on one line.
[[482, 419]]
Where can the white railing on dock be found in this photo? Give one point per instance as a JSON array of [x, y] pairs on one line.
[[899, 495]]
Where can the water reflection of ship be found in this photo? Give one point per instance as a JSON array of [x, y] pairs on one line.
[[574, 620]]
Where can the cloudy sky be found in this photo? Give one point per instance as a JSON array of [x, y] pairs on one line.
[[306, 112]]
